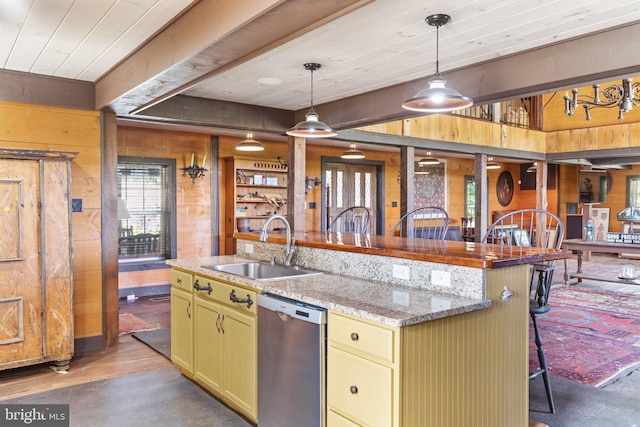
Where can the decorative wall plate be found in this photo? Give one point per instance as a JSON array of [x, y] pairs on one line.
[[504, 188]]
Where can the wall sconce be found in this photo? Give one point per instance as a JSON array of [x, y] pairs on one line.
[[194, 171], [310, 182]]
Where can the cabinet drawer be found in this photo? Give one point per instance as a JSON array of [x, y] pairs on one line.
[[359, 388], [248, 298], [181, 280], [365, 338], [221, 292]]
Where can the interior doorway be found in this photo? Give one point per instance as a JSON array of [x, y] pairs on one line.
[[350, 183]]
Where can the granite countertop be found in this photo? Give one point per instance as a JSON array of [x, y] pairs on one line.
[[467, 254], [392, 305]]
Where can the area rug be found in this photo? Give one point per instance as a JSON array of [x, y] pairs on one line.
[[157, 339], [130, 323], [589, 336]]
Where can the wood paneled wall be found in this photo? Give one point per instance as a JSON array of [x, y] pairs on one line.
[[193, 200], [49, 128]]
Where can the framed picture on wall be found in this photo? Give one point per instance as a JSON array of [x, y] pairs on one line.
[[504, 188]]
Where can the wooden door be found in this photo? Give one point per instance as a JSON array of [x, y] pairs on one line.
[[21, 281], [351, 185]]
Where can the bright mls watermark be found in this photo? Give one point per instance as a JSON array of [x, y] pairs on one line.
[[34, 415]]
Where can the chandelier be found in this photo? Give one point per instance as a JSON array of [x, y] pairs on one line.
[[624, 96]]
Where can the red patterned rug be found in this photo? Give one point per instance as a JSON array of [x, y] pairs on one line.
[[589, 336], [130, 323]]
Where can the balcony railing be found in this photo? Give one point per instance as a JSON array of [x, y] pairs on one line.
[[521, 112]]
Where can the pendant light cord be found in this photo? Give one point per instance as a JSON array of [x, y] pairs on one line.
[[312, 70], [438, 50]]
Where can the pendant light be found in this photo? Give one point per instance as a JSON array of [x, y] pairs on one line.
[[352, 153], [492, 164], [437, 98], [428, 160], [311, 127], [249, 144]]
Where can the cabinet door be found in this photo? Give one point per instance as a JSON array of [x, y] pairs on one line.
[[182, 329], [21, 291], [208, 343], [241, 360]]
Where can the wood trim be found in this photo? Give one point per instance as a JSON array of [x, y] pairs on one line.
[[109, 143], [214, 172], [25, 153], [295, 192]]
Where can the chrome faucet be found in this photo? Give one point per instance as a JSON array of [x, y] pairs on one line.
[[291, 242]]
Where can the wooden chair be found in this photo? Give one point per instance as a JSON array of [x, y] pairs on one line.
[[539, 229], [427, 222], [356, 219]]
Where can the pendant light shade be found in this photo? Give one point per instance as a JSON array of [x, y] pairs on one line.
[[312, 127], [352, 153], [428, 160], [437, 98], [249, 144], [492, 164]]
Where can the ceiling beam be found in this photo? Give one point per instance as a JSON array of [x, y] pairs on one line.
[[190, 110], [211, 37], [37, 89]]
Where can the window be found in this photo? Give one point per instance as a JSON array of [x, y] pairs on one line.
[[470, 198], [633, 191], [146, 210]]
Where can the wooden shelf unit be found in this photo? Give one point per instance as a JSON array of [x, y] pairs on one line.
[[245, 198]]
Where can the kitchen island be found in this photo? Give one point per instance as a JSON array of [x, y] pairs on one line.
[[439, 341]]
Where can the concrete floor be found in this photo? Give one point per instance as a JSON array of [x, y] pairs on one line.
[[163, 397], [155, 398]]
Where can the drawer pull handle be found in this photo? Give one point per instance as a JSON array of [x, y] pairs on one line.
[[179, 280], [353, 389], [234, 298], [197, 287], [354, 336]]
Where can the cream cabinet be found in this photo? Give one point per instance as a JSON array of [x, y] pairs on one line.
[[362, 368], [36, 275], [217, 328], [182, 319], [255, 189], [470, 369]]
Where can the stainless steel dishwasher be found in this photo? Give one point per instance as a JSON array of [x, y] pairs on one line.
[[291, 363]]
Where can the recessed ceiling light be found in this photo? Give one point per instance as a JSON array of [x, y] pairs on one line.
[[270, 81]]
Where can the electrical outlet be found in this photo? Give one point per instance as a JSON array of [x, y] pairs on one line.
[[76, 205], [401, 272], [439, 304], [440, 278], [248, 248], [401, 298]]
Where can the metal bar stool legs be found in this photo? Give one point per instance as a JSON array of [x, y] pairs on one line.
[[543, 366]]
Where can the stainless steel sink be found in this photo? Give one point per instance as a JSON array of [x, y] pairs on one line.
[[261, 270]]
